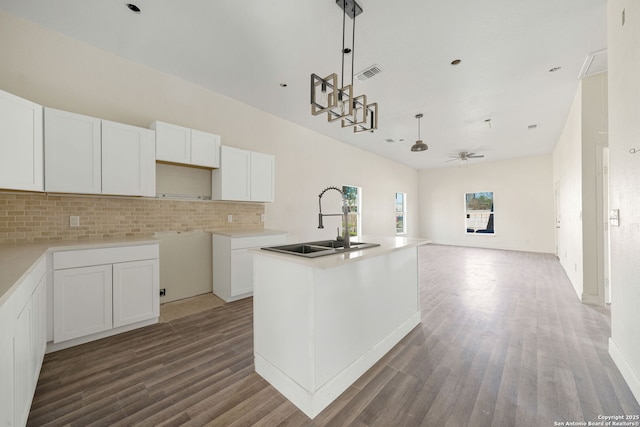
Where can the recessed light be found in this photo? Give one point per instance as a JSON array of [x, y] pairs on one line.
[[283, 85], [554, 69], [133, 8], [456, 62]]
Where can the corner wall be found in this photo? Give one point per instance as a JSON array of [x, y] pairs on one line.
[[624, 190], [523, 194], [578, 181]]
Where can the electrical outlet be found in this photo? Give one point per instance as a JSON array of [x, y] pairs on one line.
[[262, 217], [163, 292], [74, 221], [229, 218]]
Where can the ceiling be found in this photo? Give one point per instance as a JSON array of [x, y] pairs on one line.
[[246, 49]]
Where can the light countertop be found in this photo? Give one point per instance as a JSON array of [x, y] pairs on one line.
[[248, 233], [17, 260], [387, 245]]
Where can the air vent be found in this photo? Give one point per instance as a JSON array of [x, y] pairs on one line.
[[369, 72], [595, 63]]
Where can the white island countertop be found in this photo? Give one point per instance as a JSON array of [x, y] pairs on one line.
[[387, 245]]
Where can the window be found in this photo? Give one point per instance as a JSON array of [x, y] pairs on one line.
[[353, 196], [401, 209], [479, 213]]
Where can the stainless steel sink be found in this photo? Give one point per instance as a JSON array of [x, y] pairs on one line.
[[319, 248]]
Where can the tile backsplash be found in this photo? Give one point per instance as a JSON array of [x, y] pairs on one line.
[[37, 217]]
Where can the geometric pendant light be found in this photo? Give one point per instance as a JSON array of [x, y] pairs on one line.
[[338, 100]]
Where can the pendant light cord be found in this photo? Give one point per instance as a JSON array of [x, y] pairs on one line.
[[353, 43], [344, 20]]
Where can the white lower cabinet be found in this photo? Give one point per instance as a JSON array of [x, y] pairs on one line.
[[136, 292], [23, 341], [82, 301], [6, 364], [233, 262], [96, 291]]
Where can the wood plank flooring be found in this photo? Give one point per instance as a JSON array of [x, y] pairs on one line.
[[504, 341]]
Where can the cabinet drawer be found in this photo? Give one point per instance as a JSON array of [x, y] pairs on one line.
[[89, 257]]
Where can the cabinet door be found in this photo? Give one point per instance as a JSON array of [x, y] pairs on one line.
[[231, 181], [22, 364], [173, 143], [205, 149], [21, 166], [72, 153], [6, 364], [82, 301], [128, 160], [262, 177], [136, 292], [38, 329]]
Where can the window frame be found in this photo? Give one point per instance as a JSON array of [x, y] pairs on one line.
[[483, 214], [358, 209], [402, 212]]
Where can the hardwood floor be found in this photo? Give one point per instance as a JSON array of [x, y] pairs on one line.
[[504, 341]]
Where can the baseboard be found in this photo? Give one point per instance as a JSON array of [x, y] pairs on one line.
[[56, 346], [592, 299], [312, 403], [631, 377]]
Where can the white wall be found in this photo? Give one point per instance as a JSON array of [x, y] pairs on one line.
[[594, 140], [624, 187], [577, 171], [56, 71], [567, 172], [523, 194]]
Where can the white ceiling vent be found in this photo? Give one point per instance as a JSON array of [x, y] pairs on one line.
[[369, 72], [595, 63]]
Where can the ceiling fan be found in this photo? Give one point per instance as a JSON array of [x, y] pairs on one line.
[[464, 157]]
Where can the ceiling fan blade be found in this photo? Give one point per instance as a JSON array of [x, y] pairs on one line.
[[452, 160], [475, 156]]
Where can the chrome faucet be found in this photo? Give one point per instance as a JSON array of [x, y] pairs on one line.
[[344, 214]]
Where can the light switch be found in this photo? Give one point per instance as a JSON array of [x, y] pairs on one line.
[[74, 221], [614, 217], [229, 218]]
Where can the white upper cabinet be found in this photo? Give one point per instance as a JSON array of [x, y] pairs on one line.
[[262, 177], [21, 166], [205, 149], [72, 153], [92, 156], [128, 160], [173, 143], [232, 181], [243, 176], [178, 144]]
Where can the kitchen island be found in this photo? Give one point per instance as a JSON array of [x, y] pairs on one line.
[[320, 323]]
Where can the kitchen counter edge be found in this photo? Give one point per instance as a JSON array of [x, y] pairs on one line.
[[387, 245]]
